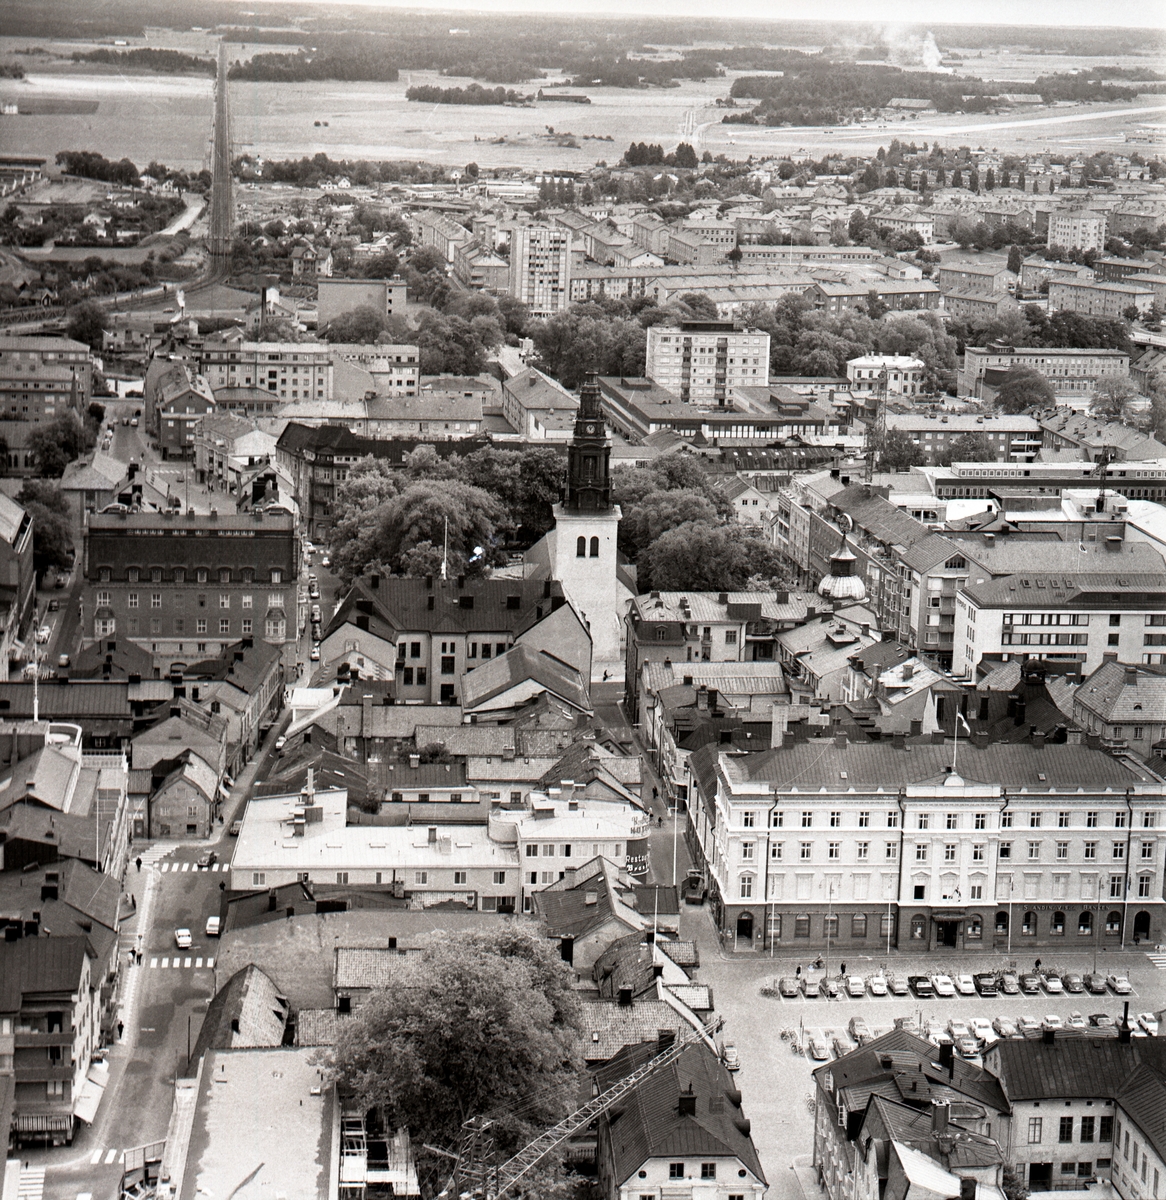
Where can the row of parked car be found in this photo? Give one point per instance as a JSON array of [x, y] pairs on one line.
[[986, 983], [971, 1038]]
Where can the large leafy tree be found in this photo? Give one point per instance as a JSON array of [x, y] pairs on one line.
[[1024, 388], [898, 452], [482, 1024], [700, 557], [52, 537], [87, 323], [526, 482], [968, 447], [56, 444], [658, 512]]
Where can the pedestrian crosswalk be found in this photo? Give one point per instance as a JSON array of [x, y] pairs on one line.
[[32, 1183], [175, 867], [106, 1156], [1158, 959], [167, 962]]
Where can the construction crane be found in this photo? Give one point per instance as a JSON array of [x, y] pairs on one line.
[[475, 1177]]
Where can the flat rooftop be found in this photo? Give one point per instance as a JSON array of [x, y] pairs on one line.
[[259, 1128]]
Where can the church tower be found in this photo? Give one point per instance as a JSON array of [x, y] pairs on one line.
[[582, 544]]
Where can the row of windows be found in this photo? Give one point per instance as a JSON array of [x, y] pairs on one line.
[[133, 600], [420, 878], [1030, 924], [198, 575], [951, 820], [1123, 1139], [272, 628], [950, 851], [1088, 1129], [800, 925]]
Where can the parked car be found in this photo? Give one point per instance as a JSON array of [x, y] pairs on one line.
[[982, 1030], [943, 985], [63, 660], [1077, 1021], [787, 986], [54, 605], [1005, 1028], [325, 561], [315, 654], [1101, 1021], [818, 1048], [896, 985], [921, 986], [1052, 1021], [1030, 983], [1095, 984], [213, 925], [965, 985], [1149, 1023], [878, 985], [43, 634], [208, 859], [235, 827], [61, 581], [1027, 1024], [182, 939], [967, 1047], [134, 422], [1120, 984], [729, 1056], [811, 989], [986, 984], [1053, 984], [858, 1028], [855, 986], [280, 742], [907, 1024], [958, 1028], [1073, 982], [831, 988], [1009, 984], [841, 1047]]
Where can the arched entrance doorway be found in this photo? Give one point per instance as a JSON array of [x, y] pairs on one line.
[[1142, 924], [745, 927]]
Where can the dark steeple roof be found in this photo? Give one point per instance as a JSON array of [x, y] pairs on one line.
[[588, 462]]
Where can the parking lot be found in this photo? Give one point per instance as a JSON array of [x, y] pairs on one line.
[[776, 1082]]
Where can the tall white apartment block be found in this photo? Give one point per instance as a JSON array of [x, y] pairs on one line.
[[540, 268], [1077, 229], [701, 361]]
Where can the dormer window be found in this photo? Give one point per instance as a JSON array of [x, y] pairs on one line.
[[132, 575]]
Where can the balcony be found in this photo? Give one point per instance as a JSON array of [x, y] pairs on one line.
[[27, 1039], [45, 1072]]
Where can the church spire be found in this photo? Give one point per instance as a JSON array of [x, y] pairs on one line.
[[588, 460]]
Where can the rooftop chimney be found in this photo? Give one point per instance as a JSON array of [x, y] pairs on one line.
[[1038, 740], [1131, 677], [940, 1111], [947, 1057], [688, 1103], [916, 727], [1048, 1036]]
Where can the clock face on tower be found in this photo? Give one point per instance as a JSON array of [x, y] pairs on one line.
[[590, 428]]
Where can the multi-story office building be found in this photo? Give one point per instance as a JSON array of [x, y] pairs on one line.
[[1069, 371], [1078, 617], [184, 586], [41, 378], [291, 370], [1013, 437], [700, 361], [1077, 229], [923, 844], [540, 268]]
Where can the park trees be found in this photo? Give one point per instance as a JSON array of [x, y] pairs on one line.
[[701, 557], [898, 451]]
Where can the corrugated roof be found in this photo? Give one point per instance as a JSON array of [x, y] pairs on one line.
[[1071, 588]]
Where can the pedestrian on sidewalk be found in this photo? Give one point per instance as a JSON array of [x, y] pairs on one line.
[[138, 860], [798, 973], [842, 969], [1036, 965], [120, 1030]]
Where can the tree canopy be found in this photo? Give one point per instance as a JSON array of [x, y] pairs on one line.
[[58, 443], [700, 557], [52, 538], [1024, 388], [968, 447], [483, 1023]]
